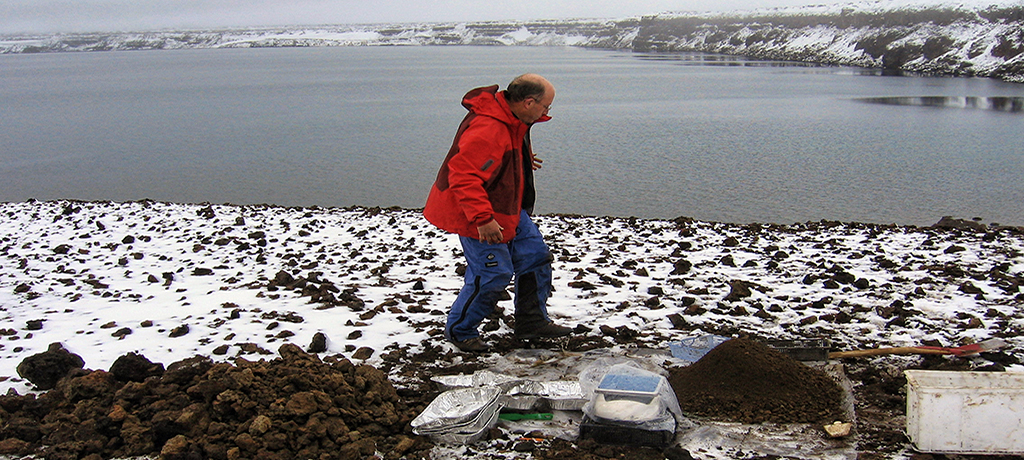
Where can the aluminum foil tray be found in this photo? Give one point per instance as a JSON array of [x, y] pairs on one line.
[[456, 408], [563, 395], [566, 403], [520, 402], [466, 436], [561, 389], [477, 379], [478, 423]]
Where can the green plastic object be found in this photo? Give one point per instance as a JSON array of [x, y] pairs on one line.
[[514, 416]]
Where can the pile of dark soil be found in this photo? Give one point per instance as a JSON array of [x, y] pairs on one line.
[[745, 381], [295, 406]]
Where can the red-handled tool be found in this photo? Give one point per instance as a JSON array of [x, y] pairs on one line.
[[972, 349]]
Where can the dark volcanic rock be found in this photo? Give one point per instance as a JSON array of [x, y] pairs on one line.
[[46, 368], [738, 289], [948, 222], [319, 343], [134, 367]]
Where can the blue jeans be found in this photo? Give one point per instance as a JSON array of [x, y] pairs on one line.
[[489, 270]]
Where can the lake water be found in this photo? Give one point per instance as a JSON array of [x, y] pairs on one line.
[[658, 136]]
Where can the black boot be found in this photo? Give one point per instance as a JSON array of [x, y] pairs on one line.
[[545, 331], [530, 321]]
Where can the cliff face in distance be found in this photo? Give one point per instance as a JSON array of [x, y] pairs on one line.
[[953, 40], [948, 40]]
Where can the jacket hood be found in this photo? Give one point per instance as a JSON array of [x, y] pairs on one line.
[[491, 102]]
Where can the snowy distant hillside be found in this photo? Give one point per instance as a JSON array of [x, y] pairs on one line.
[[986, 39], [961, 40]]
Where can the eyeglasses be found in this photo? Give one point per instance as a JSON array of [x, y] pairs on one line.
[[547, 108]]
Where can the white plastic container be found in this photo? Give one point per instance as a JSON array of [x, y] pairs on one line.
[[966, 412]]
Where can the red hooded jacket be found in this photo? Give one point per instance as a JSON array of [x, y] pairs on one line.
[[482, 178]]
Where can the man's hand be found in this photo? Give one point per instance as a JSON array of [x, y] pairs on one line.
[[490, 232], [537, 162]]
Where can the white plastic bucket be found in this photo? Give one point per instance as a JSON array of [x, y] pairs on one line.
[[966, 412]]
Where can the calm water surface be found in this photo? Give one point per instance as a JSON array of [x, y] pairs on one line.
[[659, 136]]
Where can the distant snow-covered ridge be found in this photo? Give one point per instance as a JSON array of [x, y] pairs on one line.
[[537, 33], [956, 39], [960, 40]]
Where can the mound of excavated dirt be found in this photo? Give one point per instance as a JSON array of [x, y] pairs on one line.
[[743, 380], [295, 406]]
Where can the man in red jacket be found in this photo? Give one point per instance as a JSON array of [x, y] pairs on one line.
[[484, 193]]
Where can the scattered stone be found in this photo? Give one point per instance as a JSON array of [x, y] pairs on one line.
[[677, 320], [319, 343], [96, 284], [45, 369], [738, 289], [954, 249], [179, 331], [134, 367], [681, 267], [206, 213], [969, 288], [948, 222], [177, 448], [582, 285], [363, 353]]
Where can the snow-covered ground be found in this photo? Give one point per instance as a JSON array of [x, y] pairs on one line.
[[105, 279]]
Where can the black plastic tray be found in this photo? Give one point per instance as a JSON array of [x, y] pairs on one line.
[[802, 349], [624, 435]]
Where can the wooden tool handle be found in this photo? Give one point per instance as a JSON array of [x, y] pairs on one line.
[[888, 351]]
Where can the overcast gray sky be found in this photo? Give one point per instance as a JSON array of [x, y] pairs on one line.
[[36, 16]]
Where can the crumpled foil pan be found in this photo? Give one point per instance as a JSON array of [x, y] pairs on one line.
[[566, 404], [520, 402], [480, 378], [555, 395], [481, 422], [458, 408], [563, 395], [468, 435]]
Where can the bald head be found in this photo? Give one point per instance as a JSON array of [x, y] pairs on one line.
[[528, 85], [530, 96]]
